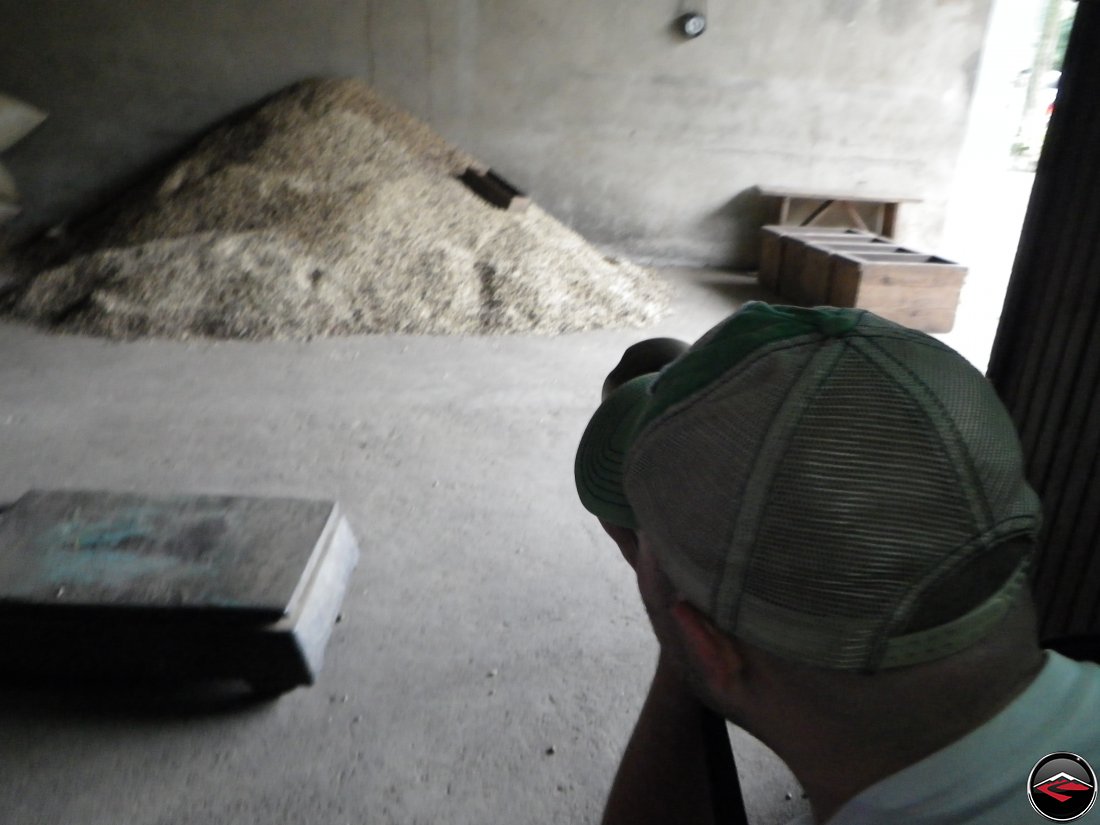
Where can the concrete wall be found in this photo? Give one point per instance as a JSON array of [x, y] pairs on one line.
[[647, 143]]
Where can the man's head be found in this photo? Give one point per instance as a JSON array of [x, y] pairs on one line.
[[830, 487]]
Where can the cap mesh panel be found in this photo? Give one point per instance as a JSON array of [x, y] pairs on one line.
[[687, 470], [855, 549], [982, 423]]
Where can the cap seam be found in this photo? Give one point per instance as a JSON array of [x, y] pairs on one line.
[[960, 556], [700, 396], [704, 392], [942, 639], [732, 615], [900, 611], [959, 443]]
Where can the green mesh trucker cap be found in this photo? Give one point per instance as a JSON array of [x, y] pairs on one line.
[[814, 480]]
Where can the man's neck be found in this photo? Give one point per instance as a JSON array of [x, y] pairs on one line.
[[836, 756]]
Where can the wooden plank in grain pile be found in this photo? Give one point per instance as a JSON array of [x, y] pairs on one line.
[[494, 189]]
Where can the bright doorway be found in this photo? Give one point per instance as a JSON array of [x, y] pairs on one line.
[[1013, 99]]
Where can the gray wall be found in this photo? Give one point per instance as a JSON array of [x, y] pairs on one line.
[[646, 143]]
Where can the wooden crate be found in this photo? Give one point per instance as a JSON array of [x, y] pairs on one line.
[[807, 266], [919, 291], [775, 240]]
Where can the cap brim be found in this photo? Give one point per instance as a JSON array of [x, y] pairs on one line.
[[601, 455]]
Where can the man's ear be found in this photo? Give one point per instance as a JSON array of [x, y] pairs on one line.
[[626, 538], [714, 655]]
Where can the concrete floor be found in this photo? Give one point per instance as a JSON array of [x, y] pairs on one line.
[[489, 621], [492, 653]]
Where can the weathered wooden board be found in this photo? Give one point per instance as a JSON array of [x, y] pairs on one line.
[[100, 584], [229, 553]]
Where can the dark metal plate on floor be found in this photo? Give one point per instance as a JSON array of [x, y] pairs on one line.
[[100, 583]]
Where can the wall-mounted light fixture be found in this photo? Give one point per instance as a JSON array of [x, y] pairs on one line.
[[691, 24]]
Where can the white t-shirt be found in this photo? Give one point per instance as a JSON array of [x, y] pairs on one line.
[[982, 778]]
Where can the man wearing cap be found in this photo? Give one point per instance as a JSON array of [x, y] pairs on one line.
[[831, 530]]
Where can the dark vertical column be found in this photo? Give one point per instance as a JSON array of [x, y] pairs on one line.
[[1046, 358]]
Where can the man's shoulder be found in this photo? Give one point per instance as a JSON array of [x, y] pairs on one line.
[[982, 777]]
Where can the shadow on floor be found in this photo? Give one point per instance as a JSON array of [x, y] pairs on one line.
[[736, 287], [42, 697]]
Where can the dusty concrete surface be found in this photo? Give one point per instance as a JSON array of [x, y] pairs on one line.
[[489, 619], [647, 143]]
